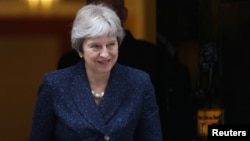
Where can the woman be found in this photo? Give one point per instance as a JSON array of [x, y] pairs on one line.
[[97, 99]]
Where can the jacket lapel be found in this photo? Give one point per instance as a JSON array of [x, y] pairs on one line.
[[114, 94], [83, 99]]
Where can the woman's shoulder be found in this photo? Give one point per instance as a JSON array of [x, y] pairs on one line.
[[131, 73], [60, 74], [130, 77]]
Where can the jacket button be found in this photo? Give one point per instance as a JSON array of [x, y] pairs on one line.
[[106, 138]]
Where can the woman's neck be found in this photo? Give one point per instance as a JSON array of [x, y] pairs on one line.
[[98, 81]]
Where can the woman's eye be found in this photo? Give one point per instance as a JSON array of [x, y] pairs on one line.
[[95, 46], [111, 44]]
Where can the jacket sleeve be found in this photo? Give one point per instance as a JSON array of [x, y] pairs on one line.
[[43, 118], [149, 127]]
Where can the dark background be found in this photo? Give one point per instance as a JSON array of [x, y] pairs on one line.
[[188, 26]]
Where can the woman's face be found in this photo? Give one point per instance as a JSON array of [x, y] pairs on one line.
[[100, 53]]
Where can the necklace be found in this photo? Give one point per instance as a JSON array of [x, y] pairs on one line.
[[97, 95]]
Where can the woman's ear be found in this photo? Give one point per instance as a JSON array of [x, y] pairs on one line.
[[80, 54]]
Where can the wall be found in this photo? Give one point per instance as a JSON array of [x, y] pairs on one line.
[[142, 19], [28, 49]]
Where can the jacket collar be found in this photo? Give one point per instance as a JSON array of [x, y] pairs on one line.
[[113, 97]]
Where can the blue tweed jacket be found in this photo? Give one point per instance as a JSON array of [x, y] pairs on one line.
[[66, 111]]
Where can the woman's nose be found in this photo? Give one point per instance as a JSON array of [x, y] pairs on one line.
[[104, 52]]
